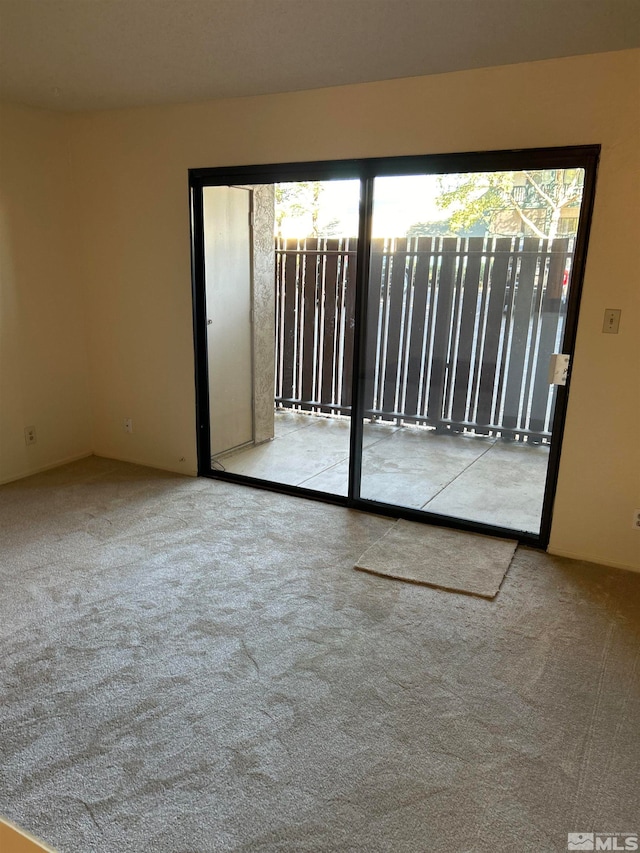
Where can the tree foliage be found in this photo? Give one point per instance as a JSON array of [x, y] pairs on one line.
[[439, 228], [296, 200], [533, 201], [444, 228]]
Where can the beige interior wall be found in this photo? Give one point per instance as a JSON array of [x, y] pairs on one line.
[[132, 170], [43, 354]]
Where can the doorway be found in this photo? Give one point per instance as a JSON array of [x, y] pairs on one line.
[[229, 296], [407, 331]]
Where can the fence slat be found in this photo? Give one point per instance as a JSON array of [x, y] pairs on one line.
[[349, 279], [549, 319], [442, 330], [308, 322], [278, 317], [289, 330], [521, 317], [471, 287], [394, 325], [418, 321], [328, 367], [489, 363], [374, 309]]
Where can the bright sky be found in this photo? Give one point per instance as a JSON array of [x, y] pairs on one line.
[[398, 204]]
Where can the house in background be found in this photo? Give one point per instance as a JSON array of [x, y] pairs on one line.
[[95, 279], [546, 205]]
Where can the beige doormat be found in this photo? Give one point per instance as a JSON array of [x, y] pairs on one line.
[[437, 556]]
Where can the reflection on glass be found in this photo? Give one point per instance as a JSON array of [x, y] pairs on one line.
[[466, 303], [280, 285]]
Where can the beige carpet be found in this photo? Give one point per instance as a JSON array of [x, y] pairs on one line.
[[436, 556], [192, 666]]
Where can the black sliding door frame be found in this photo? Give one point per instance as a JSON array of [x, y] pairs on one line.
[[366, 170]]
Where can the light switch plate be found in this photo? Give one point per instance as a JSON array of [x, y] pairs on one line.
[[611, 322]]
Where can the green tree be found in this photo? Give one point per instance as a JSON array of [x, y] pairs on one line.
[[295, 200], [444, 228], [439, 228], [333, 228], [507, 202]]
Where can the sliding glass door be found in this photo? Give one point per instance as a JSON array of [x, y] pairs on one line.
[[380, 333], [464, 315], [280, 284]]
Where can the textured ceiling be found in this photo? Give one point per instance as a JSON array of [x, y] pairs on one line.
[[100, 54]]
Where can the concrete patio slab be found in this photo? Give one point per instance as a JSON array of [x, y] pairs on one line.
[[296, 455], [507, 475], [460, 476]]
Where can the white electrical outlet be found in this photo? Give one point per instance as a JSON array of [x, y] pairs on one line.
[[29, 435], [128, 424], [636, 520]]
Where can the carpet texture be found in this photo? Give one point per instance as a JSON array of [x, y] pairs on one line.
[[436, 556], [190, 666]]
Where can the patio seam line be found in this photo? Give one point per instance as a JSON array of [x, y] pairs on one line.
[[466, 468], [346, 458]]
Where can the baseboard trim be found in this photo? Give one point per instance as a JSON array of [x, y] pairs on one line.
[[558, 552], [188, 473], [47, 467]]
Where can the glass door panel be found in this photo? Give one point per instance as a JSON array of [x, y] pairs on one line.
[[466, 303], [280, 265]]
